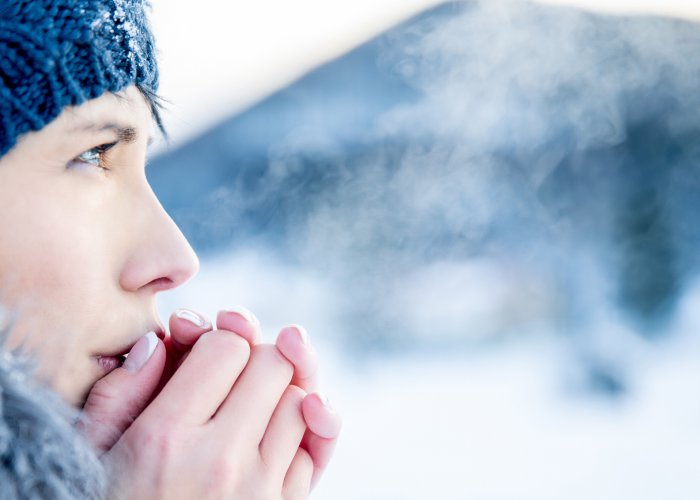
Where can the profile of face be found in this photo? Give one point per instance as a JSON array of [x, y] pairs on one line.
[[85, 245]]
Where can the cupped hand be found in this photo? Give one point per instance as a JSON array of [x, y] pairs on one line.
[[120, 399], [226, 425]]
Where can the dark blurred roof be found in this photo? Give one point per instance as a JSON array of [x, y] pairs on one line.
[[520, 129], [337, 103]]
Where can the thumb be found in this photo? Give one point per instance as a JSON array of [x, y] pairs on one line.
[[119, 397]]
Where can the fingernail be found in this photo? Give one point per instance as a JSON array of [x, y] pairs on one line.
[[141, 352], [303, 334], [324, 401], [192, 317], [247, 315]]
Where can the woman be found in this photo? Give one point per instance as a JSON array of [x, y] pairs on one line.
[[197, 412]]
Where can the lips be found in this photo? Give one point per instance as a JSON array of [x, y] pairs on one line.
[[110, 361]]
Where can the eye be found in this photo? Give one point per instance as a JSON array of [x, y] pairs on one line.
[[92, 157]]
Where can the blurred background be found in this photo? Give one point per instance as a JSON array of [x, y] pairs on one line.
[[485, 214]]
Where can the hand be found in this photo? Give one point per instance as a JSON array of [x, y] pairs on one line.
[[226, 425], [323, 423], [121, 396]]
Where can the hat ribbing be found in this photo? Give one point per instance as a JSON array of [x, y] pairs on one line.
[[57, 53]]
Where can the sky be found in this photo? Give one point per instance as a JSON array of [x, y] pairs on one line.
[[221, 57]]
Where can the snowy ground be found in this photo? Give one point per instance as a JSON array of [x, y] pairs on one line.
[[492, 423], [498, 425]]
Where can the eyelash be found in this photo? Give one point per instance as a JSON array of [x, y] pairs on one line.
[[93, 156]]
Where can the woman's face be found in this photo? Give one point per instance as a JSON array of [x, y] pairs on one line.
[[84, 243]]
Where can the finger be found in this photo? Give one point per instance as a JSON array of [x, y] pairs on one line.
[[324, 428], [320, 416], [293, 342], [284, 432], [297, 482], [119, 397], [240, 320], [186, 327], [255, 395], [203, 380]]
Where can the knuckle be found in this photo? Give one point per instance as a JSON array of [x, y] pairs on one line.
[[106, 394], [158, 439], [294, 395], [272, 355], [304, 460], [224, 344], [222, 475], [100, 403]]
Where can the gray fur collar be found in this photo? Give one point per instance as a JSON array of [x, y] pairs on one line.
[[41, 455]]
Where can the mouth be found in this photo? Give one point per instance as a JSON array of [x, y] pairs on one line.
[[110, 361]]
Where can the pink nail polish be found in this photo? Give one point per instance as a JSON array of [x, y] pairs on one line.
[[141, 352], [245, 313], [192, 317], [324, 401], [303, 334]]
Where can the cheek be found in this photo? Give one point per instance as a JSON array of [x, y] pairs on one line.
[[56, 270]]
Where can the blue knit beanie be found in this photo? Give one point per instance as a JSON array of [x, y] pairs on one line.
[[58, 53]]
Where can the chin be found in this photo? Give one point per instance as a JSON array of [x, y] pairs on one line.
[[75, 385]]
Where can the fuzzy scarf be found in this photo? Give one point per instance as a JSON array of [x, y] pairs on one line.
[[43, 456]]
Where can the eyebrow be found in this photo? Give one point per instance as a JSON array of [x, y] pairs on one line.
[[124, 133]]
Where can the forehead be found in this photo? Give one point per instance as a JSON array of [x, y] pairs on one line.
[[127, 108]]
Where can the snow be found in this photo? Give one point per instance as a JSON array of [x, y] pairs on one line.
[[503, 421], [499, 425]]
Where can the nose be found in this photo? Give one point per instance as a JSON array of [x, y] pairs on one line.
[[161, 257]]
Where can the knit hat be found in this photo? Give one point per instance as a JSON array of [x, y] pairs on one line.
[[58, 53]]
